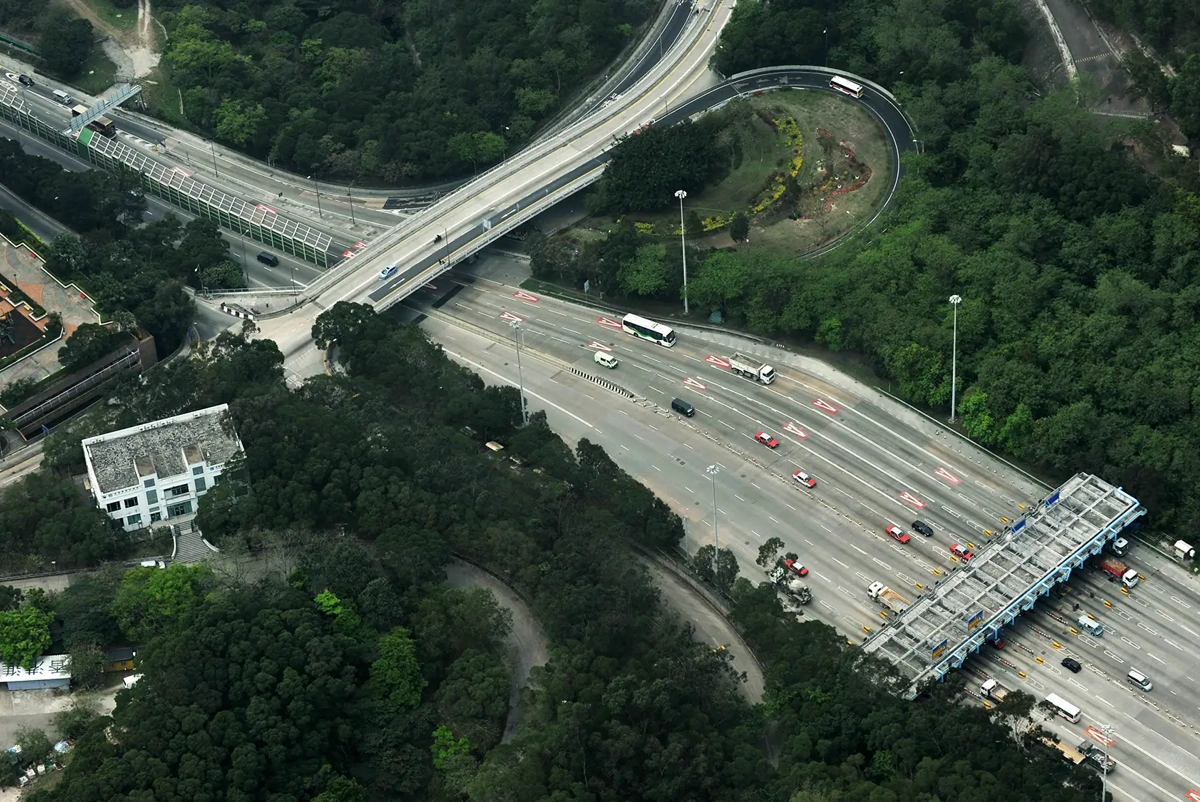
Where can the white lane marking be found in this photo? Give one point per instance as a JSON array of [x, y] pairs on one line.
[[655, 467], [1156, 657], [860, 551], [839, 562], [514, 384], [655, 389], [580, 333]]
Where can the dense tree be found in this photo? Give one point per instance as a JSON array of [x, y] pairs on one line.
[[67, 44], [650, 166], [151, 600], [45, 517], [24, 635], [392, 94], [88, 343]]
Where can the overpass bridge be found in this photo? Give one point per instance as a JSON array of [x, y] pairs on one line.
[[1005, 578]]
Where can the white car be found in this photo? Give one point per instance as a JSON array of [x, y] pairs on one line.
[[804, 479], [389, 271]]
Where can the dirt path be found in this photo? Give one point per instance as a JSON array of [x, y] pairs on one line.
[[81, 8], [134, 52]]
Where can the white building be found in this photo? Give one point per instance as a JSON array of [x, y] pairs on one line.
[[158, 470]]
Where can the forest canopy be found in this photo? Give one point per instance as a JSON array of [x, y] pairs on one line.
[[385, 92], [362, 677]]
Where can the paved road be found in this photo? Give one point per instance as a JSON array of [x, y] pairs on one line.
[[865, 456]]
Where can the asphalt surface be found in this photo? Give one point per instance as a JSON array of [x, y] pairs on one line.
[[866, 456]]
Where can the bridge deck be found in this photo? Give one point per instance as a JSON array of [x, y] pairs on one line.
[[1005, 577]]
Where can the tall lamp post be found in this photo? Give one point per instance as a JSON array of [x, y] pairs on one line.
[[1109, 731], [955, 300], [712, 471], [317, 189], [350, 198], [683, 247], [517, 330]]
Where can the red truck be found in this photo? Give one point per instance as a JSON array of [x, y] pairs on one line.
[[1120, 571]]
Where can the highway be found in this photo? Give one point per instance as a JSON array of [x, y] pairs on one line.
[[865, 456]]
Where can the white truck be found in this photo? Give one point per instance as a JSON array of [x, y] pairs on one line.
[[994, 690], [888, 597], [790, 586], [751, 368]]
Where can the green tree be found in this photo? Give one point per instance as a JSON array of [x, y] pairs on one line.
[[650, 272], [693, 226], [739, 227], [67, 44], [151, 599], [24, 636], [397, 674], [769, 551], [704, 563], [725, 570], [89, 342], [34, 742]]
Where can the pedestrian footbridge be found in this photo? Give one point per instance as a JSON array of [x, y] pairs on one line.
[[954, 617]]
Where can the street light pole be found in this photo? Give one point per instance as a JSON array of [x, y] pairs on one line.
[[317, 189], [213, 148], [350, 197], [516, 325], [1109, 730], [955, 300], [826, 32], [712, 471], [683, 247]]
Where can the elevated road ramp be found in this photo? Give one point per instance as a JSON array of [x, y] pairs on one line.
[[1006, 577]]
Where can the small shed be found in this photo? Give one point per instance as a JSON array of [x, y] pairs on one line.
[[119, 658], [50, 671]]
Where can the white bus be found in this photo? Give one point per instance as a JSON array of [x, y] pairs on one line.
[[845, 87], [648, 330], [1063, 708]]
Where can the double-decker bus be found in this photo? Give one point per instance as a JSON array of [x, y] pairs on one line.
[[648, 330], [1064, 708], [845, 87]]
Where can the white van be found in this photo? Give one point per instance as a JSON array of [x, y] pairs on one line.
[[605, 359], [62, 97], [1139, 679], [1090, 626]]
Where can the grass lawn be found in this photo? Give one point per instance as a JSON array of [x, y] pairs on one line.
[[123, 19], [97, 74], [760, 149]]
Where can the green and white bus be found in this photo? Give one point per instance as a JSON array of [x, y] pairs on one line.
[[648, 330]]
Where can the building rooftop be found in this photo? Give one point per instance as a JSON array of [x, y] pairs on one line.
[[50, 666], [161, 448]]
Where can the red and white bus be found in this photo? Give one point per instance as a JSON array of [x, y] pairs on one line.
[[845, 87]]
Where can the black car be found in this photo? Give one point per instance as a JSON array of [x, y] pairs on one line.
[[922, 527], [25, 79], [1072, 665]]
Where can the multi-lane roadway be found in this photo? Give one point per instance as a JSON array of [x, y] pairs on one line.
[[876, 463]]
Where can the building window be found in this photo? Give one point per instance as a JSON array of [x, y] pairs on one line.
[[114, 506], [151, 496], [119, 521], [198, 470], [200, 486], [131, 502], [155, 517], [134, 520], [178, 490], [148, 483], [216, 480]]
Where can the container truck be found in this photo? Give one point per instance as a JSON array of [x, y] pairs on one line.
[[751, 368], [1120, 571], [887, 597]]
